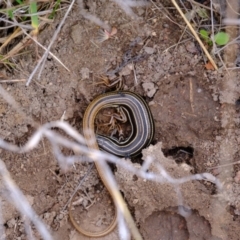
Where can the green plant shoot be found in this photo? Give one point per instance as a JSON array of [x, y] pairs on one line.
[[34, 17]]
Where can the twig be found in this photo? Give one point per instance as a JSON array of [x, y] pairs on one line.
[[180, 38], [78, 187], [174, 45], [13, 80], [191, 94], [195, 34], [43, 58], [135, 75], [200, 5], [21, 202], [224, 165]]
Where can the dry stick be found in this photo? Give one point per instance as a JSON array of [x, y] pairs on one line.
[[212, 27], [43, 59], [191, 94], [19, 200], [79, 185], [180, 38], [29, 27], [195, 34], [13, 80], [224, 165], [224, 65], [15, 34], [231, 21], [166, 13], [232, 7], [200, 5], [20, 45], [2, 231], [174, 45]]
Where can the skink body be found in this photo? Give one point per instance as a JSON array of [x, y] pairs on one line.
[[142, 134], [143, 125]]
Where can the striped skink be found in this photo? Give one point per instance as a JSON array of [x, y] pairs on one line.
[[143, 131]]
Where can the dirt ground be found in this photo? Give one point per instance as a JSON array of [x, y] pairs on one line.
[[196, 114]]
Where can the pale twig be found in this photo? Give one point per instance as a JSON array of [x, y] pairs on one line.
[[174, 45], [21, 44], [224, 165], [135, 75], [179, 40], [2, 232], [14, 24], [166, 13], [21, 203], [191, 94], [233, 68], [200, 5], [237, 13], [33, 14], [13, 80], [77, 145], [195, 34], [43, 58], [212, 29], [78, 187], [223, 63], [231, 21], [50, 53]]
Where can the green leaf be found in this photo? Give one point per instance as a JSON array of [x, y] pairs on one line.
[[221, 38], [204, 34], [34, 18], [56, 6], [19, 1], [10, 14]]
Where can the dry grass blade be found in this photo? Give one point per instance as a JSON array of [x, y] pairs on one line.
[[15, 34], [195, 34]]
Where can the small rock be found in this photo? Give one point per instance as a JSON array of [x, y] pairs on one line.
[[165, 25], [237, 177], [60, 216], [85, 203], [149, 89], [85, 73], [191, 47], [140, 11], [135, 201], [237, 212], [218, 138], [76, 34], [149, 50], [151, 103], [11, 223], [219, 64], [192, 73], [126, 70]]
